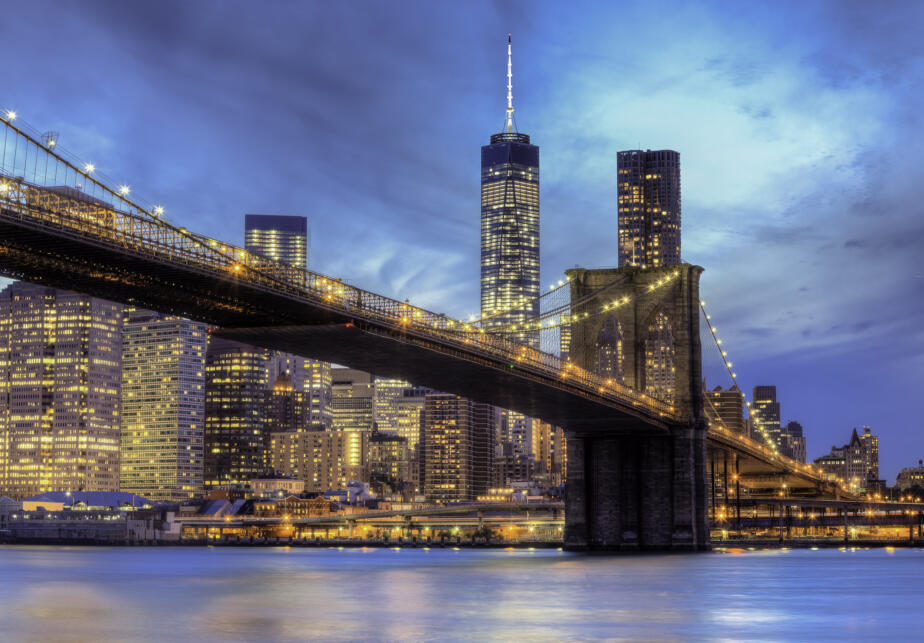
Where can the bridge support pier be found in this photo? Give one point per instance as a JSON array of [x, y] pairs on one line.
[[637, 493]]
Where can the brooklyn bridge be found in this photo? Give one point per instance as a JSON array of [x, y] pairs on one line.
[[644, 467]]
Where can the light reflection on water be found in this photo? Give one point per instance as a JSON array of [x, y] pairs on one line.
[[225, 594]]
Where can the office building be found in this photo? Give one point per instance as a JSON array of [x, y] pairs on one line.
[[280, 238], [510, 227], [60, 391], [911, 477], [550, 461], [728, 405], [456, 449], [305, 376], [325, 460], [285, 409], [856, 464], [352, 401], [649, 207], [163, 405], [388, 461], [386, 394], [319, 387], [766, 411], [793, 440], [235, 428], [408, 409]]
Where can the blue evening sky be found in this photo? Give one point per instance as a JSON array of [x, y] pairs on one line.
[[799, 126]]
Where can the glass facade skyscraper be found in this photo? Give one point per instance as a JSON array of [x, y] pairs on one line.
[[510, 232], [649, 207], [277, 237], [510, 225]]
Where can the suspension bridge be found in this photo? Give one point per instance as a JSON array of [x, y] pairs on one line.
[[642, 447]]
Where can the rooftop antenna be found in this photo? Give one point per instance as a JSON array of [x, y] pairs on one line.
[[508, 121]]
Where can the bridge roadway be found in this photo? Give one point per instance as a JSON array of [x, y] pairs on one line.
[[100, 242], [47, 236], [51, 237]]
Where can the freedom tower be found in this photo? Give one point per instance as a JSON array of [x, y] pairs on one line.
[[510, 225]]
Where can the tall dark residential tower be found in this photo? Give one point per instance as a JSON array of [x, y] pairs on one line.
[[649, 207], [60, 391], [510, 225], [278, 237]]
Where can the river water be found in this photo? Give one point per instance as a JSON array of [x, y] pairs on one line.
[[282, 594]]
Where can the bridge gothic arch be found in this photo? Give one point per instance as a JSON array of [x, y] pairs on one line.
[[626, 491]]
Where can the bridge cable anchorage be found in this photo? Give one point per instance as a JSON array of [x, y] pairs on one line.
[[53, 196], [753, 415]]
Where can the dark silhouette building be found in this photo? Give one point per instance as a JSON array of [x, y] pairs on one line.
[[649, 207]]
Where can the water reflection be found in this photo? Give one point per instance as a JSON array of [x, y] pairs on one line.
[[224, 594]]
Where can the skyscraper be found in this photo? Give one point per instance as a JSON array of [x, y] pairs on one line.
[[306, 376], [352, 402], [277, 237], [60, 391], [163, 398], [649, 207], [767, 410], [795, 441], [510, 232], [386, 394], [235, 425], [510, 225], [457, 436], [729, 406]]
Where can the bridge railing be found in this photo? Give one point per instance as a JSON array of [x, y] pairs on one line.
[[67, 209], [745, 443]]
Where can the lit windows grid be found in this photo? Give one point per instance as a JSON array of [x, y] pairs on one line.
[[510, 284]]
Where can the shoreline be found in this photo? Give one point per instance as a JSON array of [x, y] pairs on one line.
[[718, 546]]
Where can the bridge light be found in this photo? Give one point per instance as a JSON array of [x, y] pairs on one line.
[[124, 189], [10, 115], [88, 168], [159, 211]]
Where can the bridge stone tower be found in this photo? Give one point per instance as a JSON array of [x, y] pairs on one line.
[[628, 489]]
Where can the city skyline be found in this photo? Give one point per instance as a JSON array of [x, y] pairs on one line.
[[774, 341]]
